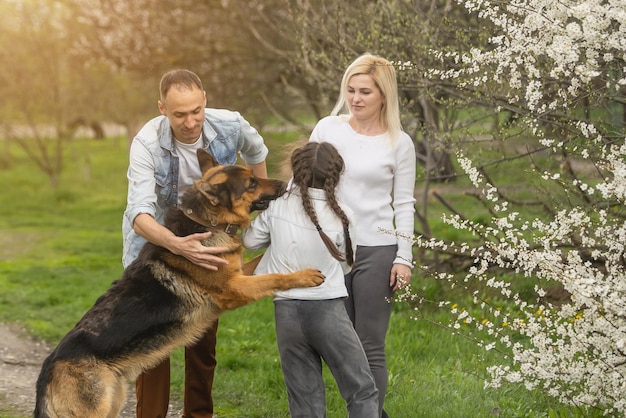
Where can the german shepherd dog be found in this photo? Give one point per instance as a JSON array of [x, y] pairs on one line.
[[162, 300]]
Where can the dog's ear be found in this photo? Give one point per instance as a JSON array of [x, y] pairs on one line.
[[206, 160], [216, 194]]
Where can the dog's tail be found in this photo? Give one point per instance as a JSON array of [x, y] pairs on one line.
[[41, 403]]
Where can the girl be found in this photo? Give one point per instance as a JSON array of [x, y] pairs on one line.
[[308, 227]]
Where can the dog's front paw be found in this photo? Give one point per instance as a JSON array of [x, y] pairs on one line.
[[308, 278]]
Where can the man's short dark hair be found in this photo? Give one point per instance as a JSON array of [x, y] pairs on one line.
[[180, 77]]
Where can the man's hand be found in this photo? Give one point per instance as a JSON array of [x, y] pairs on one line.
[[189, 247], [192, 249]]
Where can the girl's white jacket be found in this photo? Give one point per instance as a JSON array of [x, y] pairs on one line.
[[293, 243]]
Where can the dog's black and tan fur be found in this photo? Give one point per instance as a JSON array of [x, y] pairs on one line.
[[162, 301]]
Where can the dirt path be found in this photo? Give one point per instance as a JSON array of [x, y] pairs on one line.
[[20, 361]]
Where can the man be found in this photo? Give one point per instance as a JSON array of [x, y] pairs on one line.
[[163, 163]]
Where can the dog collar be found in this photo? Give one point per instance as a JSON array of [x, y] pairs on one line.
[[230, 229]]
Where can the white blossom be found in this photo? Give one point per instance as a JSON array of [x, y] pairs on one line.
[[574, 351]]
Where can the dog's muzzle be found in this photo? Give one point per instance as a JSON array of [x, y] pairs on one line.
[[280, 187], [260, 204]]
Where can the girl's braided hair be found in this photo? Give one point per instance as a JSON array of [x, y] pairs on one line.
[[319, 165]]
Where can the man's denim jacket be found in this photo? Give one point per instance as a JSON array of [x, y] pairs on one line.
[[153, 168]]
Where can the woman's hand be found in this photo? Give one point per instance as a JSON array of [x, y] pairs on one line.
[[400, 276]]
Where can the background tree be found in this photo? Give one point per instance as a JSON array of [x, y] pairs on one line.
[[148, 37], [91, 63], [319, 39], [51, 89], [35, 83]]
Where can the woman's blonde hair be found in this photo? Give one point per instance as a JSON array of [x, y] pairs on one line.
[[384, 76]]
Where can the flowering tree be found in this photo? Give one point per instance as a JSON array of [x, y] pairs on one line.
[[560, 68]]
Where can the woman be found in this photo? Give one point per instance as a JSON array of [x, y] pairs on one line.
[[378, 185]]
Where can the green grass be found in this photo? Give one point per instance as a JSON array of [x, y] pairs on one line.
[[7, 413], [62, 248]]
